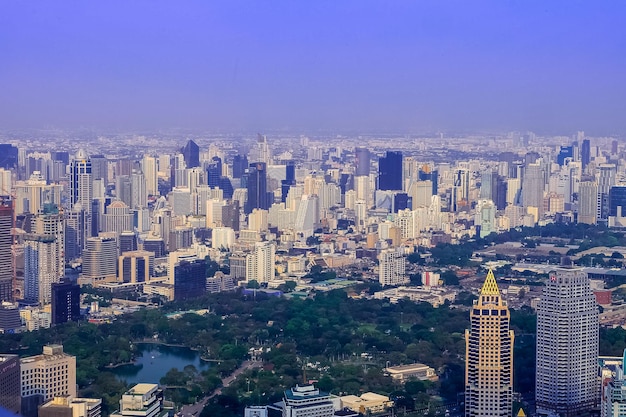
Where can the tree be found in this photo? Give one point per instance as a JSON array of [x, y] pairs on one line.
[[253, 284]]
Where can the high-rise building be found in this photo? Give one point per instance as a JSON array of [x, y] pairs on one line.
[[6, 261], [307, 401], [99, 261], [256, 184], [8, 156], [489, 355], [392, 267], [260, 263], [65, 302], [585, 153], [191, 153], [10, 383], [51, 374], [606, 179], [150, 171], [587, 202], [81, 186], [390, 171], [189, 279], [135, 266], [533, 186], [567, 345], [361, 162]]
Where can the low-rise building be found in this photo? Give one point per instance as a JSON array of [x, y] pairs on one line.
[[419, 371], [368, 403]]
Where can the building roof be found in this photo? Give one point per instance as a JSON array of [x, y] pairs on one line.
[[490, 287]]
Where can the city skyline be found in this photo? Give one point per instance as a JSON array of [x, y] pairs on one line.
[[369, 66]]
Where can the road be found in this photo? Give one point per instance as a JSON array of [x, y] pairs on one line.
[[195, 409]]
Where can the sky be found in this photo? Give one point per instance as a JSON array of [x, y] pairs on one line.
[[304, 66]]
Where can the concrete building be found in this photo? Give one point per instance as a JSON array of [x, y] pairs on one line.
[[367, 403], [10, 383], [71, 407], [567, 345], [142, 400], [419, 371], [99, 261], [307, 401], [6, 261], [489, 355], [43, 377], [135, 266], [392, 267], [260, 263]]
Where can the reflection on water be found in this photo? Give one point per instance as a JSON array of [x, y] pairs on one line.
[[155, 361]]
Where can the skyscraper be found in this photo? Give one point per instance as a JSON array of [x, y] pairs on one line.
[[390, 171], [81, 187], [362, 162], [532, 189], [392, 267], [256, 184], [191, 153], [6, 264], [65, 302], [489, 355], [260, 263], [567, 345], [585, 153]]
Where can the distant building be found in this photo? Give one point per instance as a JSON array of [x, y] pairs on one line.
[[368, 403], [65, 302], [419, 371], [99, 261], [142, 400], [260, 263], [6, 261], [390, 171], [189, 279], [392, 267], [307, 401], [191, 153]]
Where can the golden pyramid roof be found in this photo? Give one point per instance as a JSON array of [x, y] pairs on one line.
[[521, 413], [490, 287]]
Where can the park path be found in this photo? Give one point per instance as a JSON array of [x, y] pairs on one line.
[[195, 409]]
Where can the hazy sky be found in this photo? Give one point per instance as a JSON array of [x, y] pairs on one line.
[[405, 66]]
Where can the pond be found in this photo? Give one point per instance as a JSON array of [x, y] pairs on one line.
[[156, 360]]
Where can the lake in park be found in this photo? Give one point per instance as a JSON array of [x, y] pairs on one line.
[[156, 360]]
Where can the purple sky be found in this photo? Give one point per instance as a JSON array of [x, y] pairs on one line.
[[402, 66]]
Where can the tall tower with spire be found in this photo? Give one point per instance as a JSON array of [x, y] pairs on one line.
[[489, 355]]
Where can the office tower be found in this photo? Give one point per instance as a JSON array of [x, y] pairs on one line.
[[532, 190], [617, 199], [392, 267], [614, 147], [81, 187], [10, 383], [123, 189], [117, 218], [142, 400], [489, 355], [65, 302], [78, 227], [6, 181], [260, 263], [138, 190], [288, 182], [485, 217], [214, 172], [567, 345], [6, 261], [150, 171], [606, 179], [191, 154], [262, 152], [390, 171], [426, 174], [421, 193], [564, 153], [100, 168], [307, 401], [189, 279], [8, 156], [127, 241], [585, 153], [135, 266], [361, 162], [587, 202], [307, 215], [256, 184], [30, 195], [460, 189], [240, 163], [99, 261], [51, 374], [43, 266], [257, 220]]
